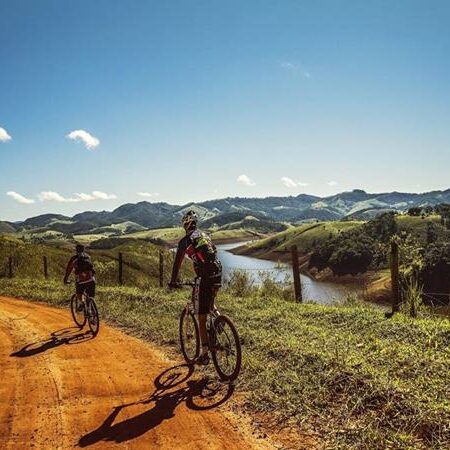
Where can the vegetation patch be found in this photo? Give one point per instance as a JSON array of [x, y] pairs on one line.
[[358, 380]]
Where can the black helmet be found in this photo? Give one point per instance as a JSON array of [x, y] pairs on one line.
[[189, 220], [79, 248]]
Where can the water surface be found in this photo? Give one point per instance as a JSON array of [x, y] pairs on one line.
[[318, 291]]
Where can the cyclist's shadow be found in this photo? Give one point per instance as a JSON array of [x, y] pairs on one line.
[[199, 394], [65, 336]]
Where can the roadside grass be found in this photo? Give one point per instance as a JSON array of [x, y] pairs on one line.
[[356, 379]]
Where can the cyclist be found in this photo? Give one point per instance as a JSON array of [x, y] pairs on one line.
[[82, 265], [198, 246]]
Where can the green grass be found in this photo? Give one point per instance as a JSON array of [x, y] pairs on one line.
[[357, 379], [173, 235], [166, 234], [303, 236], [417, 226], [140, 268], [239, 234]]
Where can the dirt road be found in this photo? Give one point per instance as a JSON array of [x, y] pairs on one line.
[[60, 389]]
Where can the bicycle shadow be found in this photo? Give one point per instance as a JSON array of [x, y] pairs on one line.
[[201, 394], [64, 336]]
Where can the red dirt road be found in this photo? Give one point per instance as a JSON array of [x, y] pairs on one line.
[[61, 389]]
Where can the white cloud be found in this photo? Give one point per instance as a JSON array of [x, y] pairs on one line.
[[4, 136], [89, 141], [99, 195], [148, 194], [290, 183], [51, 196], [20, 198], [332, 183], [245, 180]]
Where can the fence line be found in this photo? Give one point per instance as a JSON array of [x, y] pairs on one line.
[[165, 260]]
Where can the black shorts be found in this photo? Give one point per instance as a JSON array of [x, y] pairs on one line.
[[88, 287], [209, 286]]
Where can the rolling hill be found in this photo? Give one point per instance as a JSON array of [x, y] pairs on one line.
[[229, 212]]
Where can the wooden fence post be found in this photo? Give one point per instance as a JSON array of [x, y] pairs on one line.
[[10, 266], [120, 268], [296, 274], [395, 278], [44, 259], [161, 269]]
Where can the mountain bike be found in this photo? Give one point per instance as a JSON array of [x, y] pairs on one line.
[[85, 311], [223, 339]]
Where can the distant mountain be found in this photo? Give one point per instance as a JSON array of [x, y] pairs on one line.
[[234, 210], [43, 220]]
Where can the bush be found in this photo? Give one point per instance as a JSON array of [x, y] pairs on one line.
[[270, 288], [240, 283]]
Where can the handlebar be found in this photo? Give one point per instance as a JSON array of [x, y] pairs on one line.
[[183, 283]]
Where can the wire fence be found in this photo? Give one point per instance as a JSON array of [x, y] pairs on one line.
[[121, 268], [142, 270]]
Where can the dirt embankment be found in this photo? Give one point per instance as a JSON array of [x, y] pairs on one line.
[[62, 389]]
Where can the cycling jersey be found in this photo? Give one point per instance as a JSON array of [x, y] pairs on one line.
[[82, 266], [198, 246]]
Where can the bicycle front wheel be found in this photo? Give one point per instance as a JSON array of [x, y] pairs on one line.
[[77, 309], [189, 336], [226, 349], [93, 319]]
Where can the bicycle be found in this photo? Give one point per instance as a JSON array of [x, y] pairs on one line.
[[223, 339], [85, 311]]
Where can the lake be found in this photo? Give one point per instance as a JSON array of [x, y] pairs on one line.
[[318, 291]]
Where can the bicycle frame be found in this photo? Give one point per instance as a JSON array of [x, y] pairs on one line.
[[216, 324], [194, 301]]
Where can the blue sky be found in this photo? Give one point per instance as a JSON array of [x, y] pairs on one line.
[[186, 97]]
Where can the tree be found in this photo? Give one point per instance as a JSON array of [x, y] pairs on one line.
[[353, 256], [435, 274], [382, 227], [414, 211]]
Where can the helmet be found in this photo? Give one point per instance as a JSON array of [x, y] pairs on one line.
[[79, 248], [189, 220]]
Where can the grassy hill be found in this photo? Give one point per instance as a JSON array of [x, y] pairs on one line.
[[304, 236], [342, 374], [141, 260], [7, 227]]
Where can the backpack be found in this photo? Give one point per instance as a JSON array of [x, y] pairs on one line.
[[84, 264], [203, 248]]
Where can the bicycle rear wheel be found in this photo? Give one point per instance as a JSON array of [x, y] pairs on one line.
[[93, 318], [77, 309], [189, 336], [226, 349]]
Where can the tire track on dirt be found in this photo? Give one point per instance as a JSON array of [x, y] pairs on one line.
[[62, 389]]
